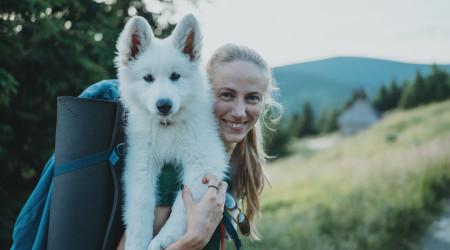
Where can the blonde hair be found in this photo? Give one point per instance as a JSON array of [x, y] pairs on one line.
[[249, 153]]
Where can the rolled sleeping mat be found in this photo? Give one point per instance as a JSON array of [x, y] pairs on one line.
[[85, 207]]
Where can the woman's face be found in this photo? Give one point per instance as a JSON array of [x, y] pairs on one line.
[[239, 89]]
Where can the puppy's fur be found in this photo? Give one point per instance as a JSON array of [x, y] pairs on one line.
[[170, 119]]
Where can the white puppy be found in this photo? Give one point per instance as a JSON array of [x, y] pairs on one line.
[[170, 118]]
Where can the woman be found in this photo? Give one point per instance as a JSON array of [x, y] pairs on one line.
[[243, 87]]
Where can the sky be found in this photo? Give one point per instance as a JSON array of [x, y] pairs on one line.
[[293, 31]]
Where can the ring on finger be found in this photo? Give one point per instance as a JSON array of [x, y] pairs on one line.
[[212, 186]]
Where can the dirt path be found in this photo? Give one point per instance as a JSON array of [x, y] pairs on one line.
[[438, 236]]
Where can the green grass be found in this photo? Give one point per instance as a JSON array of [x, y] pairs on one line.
[[376, 190]]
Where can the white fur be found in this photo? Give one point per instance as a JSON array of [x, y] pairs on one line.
[[191, 138]]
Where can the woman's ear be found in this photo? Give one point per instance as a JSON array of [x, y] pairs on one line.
[[188, 38]]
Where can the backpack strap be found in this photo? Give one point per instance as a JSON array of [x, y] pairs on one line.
[[222, 236], [114, 229], [231, 231], [113, 155]]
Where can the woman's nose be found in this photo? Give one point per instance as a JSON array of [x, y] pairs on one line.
[[238, 109]]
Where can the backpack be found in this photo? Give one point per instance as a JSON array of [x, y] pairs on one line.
[[42, 224]]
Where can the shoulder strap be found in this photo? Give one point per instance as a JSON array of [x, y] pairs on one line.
[[113, 155], [114, 229], [231, 231]]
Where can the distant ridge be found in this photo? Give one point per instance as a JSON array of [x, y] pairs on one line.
[[330, 82]]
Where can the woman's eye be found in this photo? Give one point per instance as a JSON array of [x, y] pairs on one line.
[[149, 78], [174, 76], [225, 95], [254, 98]]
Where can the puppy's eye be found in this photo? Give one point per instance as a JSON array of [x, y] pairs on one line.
[[174, 76], [148, 78]]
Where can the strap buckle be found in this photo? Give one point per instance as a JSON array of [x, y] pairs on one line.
[[120, 150], [118, 153]]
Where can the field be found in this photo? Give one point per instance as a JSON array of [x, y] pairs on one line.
[[379, 189]]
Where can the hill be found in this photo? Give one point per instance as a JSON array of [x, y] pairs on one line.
[[379, 189], [330, 82]]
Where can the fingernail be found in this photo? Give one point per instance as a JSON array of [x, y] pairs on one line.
[[182, 186]]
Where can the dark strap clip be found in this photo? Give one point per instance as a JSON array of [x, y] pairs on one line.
[[118, 153], [121, 150]]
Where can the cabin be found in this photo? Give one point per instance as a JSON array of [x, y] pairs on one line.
[[359, 116]]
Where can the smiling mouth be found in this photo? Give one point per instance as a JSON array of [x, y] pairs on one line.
[[236, 125]]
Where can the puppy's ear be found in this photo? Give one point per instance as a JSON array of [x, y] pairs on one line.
[[134, 39], [188, 38]]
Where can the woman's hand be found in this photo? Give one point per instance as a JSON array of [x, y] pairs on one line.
[[203, 217]]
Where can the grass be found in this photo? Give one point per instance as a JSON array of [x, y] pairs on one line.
[[379, 189]]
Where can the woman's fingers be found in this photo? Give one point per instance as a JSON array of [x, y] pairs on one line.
[[213, 183], [211, 180], [223, 186], [221, 195], [214, 197], [186, 195]]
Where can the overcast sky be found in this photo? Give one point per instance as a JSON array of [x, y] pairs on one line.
[[291, 31]]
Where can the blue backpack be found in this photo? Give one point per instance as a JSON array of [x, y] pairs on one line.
[[32, 225]]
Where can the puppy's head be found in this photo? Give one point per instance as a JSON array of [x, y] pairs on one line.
[[159, 76]]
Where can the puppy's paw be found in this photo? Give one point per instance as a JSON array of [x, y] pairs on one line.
[[159, 243], [155, 245], [135, 245]]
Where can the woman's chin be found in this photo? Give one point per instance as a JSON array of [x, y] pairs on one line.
[[232, 138]]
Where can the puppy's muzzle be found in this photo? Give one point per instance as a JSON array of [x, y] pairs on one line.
[[164, 106]]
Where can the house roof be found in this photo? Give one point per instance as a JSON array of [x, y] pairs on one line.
[[361, 112]]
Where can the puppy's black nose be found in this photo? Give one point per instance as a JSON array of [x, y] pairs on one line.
[[164, 106]]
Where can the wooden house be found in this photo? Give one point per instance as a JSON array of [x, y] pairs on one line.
[[360, 115]]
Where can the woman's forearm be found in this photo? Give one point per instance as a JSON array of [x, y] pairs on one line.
[[202, 218], [187, 242]]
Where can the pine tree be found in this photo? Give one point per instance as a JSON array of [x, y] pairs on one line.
[[419, 90], [331, 124], [294, 125], [415, 94], [307, 121], [407, 98], [381, 101], [327, 122], [276, 141], [321, 122], [437, 84], [394, 95]]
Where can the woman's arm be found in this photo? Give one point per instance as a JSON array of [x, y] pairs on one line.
[[203, 217]]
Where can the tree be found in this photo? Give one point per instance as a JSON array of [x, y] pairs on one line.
[[327, 122], [51, 48], [415, 94], [306, 126], [437, 84], [381, 101], [276, 142], [394, 95], [330, 124], [294, 125], [421, 93]]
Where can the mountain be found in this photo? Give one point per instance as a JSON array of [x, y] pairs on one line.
[[330, 82]]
